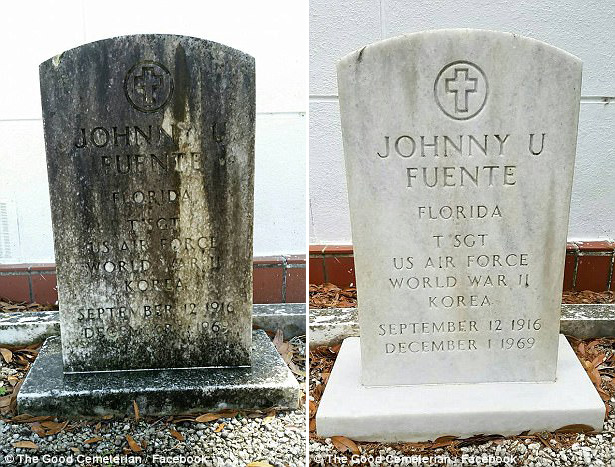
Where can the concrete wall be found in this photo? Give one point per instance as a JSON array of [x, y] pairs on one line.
[[273, 31], [585, 29]]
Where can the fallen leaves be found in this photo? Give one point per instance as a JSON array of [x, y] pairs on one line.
[[134, 446], [599, 366], [269, 417], [177, 435], [331, 296], [289, 353], [25, 445], [575, 429], [9, 306], [588, 296], [135, 408], [96, 439], [27, 418], [7, 355], [259, 464], [48, 428], [210, 417], [343, 444]]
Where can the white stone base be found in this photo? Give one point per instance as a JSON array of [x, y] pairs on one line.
[[425, 412]]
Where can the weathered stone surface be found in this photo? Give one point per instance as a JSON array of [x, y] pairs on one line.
[[20, 328], [586, 321], [428, 411], [459, 149], [266, 383], [150, 153], [290, 318]]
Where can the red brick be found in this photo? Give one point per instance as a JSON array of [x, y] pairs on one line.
[[338, 250], [268, 260], [571, 247], [268, 285], [14, 267], [569, 271], [42, 267], [593, 273], [317, 270], [44, 288], [15, 287], [339, 270], [597, 246], [295, 285], [295, 259]]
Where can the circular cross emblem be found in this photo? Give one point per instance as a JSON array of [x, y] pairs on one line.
[[148, 86], [461, 90]]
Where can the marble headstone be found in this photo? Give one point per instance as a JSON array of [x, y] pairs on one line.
[[459, 159], [150, 154], [459, 148]]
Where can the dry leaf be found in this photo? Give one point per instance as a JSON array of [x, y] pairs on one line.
[[107, 417], [13, 380], [594, 375], [53, 425], [38, 429], [278, 340], [177, 435], [259, 464], [27, 418], [97, 427], [270, 416], [575, 429], [209, 417], [25, 444], [443, 441], [96, 439], [13, 406], [136, 409], [220, 428], [7, 355], [581, 348], [312, 424], [343, 444], [133, 444], [598, 360], [312, 408]]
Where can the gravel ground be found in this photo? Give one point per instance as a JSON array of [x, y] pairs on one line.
[[276, 439]]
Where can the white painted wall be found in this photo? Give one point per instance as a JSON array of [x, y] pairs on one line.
[[585, 29], [275, 32]]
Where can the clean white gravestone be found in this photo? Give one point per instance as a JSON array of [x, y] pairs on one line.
[[459, 149]]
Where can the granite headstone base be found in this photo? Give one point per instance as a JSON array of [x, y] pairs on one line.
[[426, 412], [268, 383]]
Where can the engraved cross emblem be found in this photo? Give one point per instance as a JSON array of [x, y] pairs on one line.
[[461, 85], [147, 84]]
